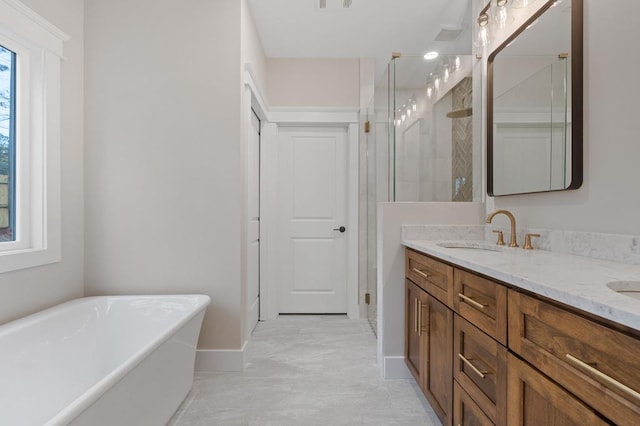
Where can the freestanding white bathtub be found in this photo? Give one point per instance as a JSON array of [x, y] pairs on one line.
[[112, 360]]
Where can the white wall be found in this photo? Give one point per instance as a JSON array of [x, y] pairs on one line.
[[252, 53], [609, 199], [29, 290], [313, 82], [164, 183], [252, 49], [391, 264]]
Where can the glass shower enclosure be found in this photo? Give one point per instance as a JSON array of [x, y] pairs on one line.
[[419, 147]]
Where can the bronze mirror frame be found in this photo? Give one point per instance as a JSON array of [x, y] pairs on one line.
[[576, 97]]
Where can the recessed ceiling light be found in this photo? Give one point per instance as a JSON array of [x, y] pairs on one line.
[[430, 56]]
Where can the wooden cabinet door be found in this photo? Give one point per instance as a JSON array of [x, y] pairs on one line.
[[414, 343], [437, 321], [534, 400], [599, 365], [465, 411]]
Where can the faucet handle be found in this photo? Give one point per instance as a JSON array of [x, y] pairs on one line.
[[527, 241], [500, 241]]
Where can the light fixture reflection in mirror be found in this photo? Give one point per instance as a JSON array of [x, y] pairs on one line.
[[483, 34], [534, 104], [501, 13], [519, 4]]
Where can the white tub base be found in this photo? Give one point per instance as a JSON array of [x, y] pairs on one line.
[[112, 360]]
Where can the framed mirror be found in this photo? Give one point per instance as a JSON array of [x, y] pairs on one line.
[[534, 104]]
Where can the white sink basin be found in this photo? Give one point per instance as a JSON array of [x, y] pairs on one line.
[[627, 288], [471, 245]]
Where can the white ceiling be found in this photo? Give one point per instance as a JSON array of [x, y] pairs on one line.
[[370, 28]]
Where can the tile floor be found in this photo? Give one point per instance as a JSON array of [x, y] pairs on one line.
[[306, 370]]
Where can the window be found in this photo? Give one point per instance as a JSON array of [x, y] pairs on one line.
[[30, 54], [7, 143]]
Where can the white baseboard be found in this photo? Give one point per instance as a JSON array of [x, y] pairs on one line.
[[395, 368], [220, 359]]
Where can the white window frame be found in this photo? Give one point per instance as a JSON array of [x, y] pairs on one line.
[[38, 47]]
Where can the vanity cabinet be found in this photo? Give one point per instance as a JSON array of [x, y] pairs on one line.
[[482, 302], [494, 355], [438, 383], [429, 325], [598, 364], [535, 400], [466, 411], [431, 275], [480, 368], [414, 342]]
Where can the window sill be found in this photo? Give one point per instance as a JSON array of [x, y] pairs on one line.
[[28, 258]]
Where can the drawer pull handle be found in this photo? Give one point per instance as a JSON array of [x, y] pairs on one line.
[[419, 272], [607, 379], [482, 374], [471, 301]]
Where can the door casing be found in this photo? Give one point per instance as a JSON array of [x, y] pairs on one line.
[[269, 208]]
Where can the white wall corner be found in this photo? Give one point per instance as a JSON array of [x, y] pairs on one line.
[[221, 360], [259, 101], [395, 368]]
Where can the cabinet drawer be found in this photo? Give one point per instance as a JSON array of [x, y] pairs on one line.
[[465, 411], [535, 400], [480, 367], [482, 302], [599, 365], [431, 275]]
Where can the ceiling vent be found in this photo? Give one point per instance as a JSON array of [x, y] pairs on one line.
[[333, 4], [448, 33]]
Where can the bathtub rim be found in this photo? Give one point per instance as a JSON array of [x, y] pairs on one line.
[[92, 394]]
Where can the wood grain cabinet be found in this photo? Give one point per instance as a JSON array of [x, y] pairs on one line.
[[534, 400], [428, 334], [431, 275], [598, 364], [480, 368], [465, 411], [485, 353], [482, 302], [438, 380], [414, 342]]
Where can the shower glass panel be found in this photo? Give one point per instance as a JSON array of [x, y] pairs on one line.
[[419, 146], [374, 187], [431, 150]]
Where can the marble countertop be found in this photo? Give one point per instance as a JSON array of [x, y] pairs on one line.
[[577, 281]]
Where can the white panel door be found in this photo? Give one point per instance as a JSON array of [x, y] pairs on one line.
[[312, 192], [253, 229], [522, 159]]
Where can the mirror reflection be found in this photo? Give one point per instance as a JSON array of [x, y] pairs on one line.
[[531, 128]]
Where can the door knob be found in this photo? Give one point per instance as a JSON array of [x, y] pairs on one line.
[[341, 229]]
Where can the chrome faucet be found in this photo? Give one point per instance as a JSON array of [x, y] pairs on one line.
[[512, 241]]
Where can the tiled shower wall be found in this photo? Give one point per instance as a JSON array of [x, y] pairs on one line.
[[462, 144]]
